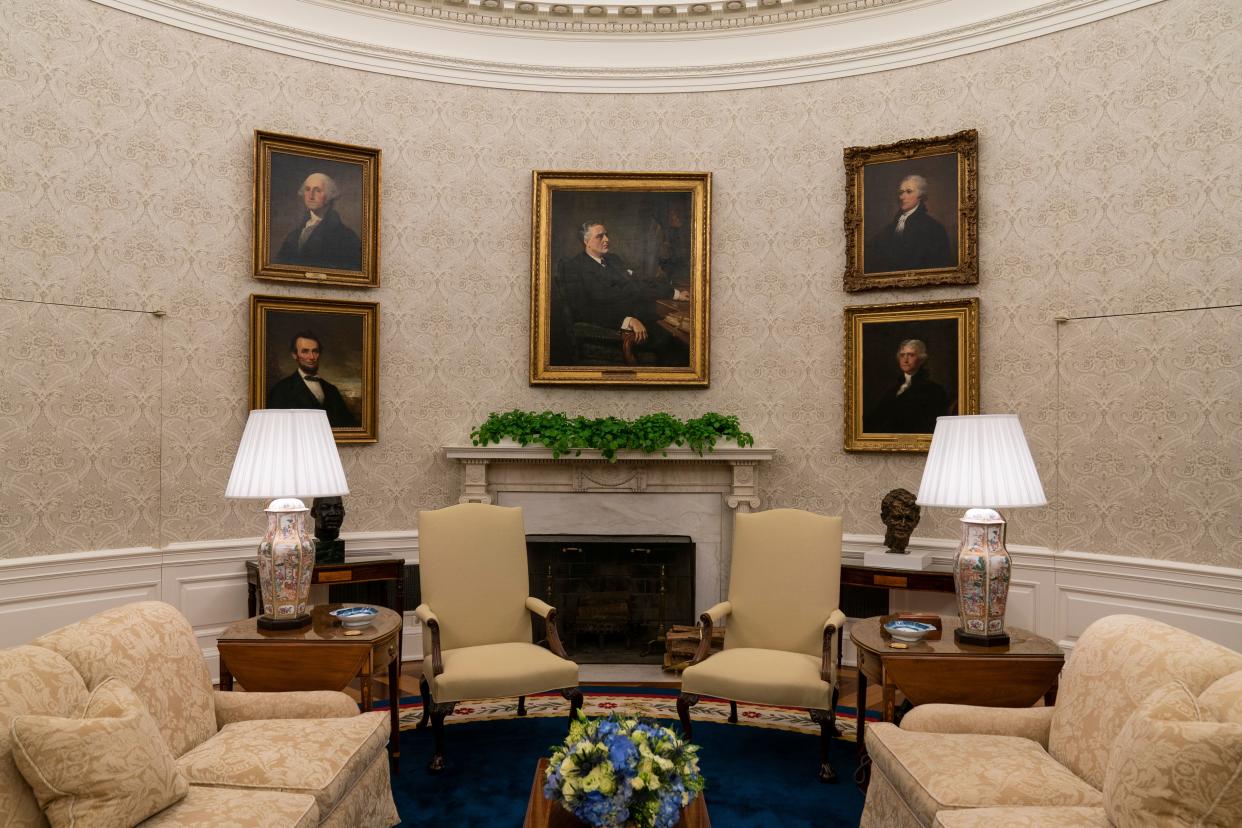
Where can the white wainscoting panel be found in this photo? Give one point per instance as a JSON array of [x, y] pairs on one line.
[[1055, 594], [205, 580]]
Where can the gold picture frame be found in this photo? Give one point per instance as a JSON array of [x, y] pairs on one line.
[[345, 354], [892, 397], [912, 213], [632, 306], [316, 211]]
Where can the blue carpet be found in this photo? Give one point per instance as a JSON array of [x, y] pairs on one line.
[[756, 777]]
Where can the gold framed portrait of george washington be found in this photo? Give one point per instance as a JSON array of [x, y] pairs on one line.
[[911, 213], [905, 365], [317, 353], [316, 211], [620, 277]]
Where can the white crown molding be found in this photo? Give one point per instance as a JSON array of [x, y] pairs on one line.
[[442, 40]]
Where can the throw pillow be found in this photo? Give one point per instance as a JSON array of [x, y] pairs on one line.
[[109, 767], [1174, 764]]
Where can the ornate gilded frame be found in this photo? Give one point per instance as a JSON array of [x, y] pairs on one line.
[[289, 159], [887, 163], [874, 332], [675, 206], [275, 319]]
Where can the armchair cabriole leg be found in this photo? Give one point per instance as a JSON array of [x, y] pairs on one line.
[[521, 706], [732, 712], [684, 702], [438, 712], [836, 728], [575, 701], [424, 690], [826, 719]]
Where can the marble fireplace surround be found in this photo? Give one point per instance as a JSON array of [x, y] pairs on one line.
[[680, 493]]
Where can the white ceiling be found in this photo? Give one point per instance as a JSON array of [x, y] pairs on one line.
[[639, 46]]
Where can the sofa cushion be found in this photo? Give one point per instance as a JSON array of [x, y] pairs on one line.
[[490, 670], [1042, 817], [758, 676], [320, 757], [32, 680], [1116, 663], [935, 771], [233, 808], [108, 766], [151, 647], [1175, 764]]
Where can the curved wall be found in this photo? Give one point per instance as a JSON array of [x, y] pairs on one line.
[[1109, 157]]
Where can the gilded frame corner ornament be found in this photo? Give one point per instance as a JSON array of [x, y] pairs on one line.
[[584, 303], [344, 249], [349, 357], [949, 330], [872, 260]]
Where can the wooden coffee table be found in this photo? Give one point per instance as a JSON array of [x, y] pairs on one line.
[[541, 814], [319, 656], [944, 671]]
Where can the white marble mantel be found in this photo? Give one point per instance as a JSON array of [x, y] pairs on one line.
[[677, 493]]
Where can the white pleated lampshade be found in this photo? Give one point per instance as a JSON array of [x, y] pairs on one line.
[[980, 461], [287, 452]]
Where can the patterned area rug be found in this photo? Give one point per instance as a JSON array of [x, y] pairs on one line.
[[652, 702]]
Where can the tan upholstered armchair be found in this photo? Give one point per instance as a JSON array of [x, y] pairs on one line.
[[472, 569], [783, 627]]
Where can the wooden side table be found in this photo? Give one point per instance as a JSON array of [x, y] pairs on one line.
[[319, 656], [352, 571], [947, 672]]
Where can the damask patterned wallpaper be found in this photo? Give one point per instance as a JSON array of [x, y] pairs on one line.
[[1110, 159]]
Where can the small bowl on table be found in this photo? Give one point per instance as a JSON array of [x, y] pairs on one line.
[[903, 629], [354, 616]]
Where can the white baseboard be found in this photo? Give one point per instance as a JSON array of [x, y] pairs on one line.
[[1055, 594]]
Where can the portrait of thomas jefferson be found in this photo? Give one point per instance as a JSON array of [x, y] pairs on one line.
[[909, 376]]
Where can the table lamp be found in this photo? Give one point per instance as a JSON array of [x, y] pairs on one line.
[[287, 454], [981, 463]]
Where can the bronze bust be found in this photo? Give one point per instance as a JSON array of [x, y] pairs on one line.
[[329, 514], [900, 513]]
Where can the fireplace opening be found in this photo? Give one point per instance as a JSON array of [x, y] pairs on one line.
[[616, 595]]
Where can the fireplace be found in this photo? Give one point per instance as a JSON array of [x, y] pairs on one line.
[[616, 594]]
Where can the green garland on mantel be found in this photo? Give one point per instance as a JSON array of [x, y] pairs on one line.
[[649, 433]]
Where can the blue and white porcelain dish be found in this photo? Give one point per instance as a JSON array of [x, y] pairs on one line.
[[354, 616], [904, 630]]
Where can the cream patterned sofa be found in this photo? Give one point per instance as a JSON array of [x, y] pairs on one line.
[[1147, 730], [251, 759]]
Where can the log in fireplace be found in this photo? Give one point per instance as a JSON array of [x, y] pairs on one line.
[[616, 594]]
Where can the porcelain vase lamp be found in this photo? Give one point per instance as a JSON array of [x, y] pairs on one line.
[[286, 454], [981, 462]]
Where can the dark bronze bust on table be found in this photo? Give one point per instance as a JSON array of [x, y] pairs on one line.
[[329, 514], [900, 513]]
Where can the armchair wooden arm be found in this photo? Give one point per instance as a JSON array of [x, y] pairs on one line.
[[548, 613], [706, 621], [834, 627], [429, 620]]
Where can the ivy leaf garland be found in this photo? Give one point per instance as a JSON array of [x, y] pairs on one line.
[[649, 433]]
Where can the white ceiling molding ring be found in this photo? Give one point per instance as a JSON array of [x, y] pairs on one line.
[[534, 45]]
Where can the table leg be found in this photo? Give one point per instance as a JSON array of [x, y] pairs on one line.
[[226, 678], [1050, 697], [366, 693], [252, 598], [890, 699], [863, 775], [400, 608], [394, 708]]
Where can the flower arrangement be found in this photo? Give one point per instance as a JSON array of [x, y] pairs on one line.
[[623, 772]]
